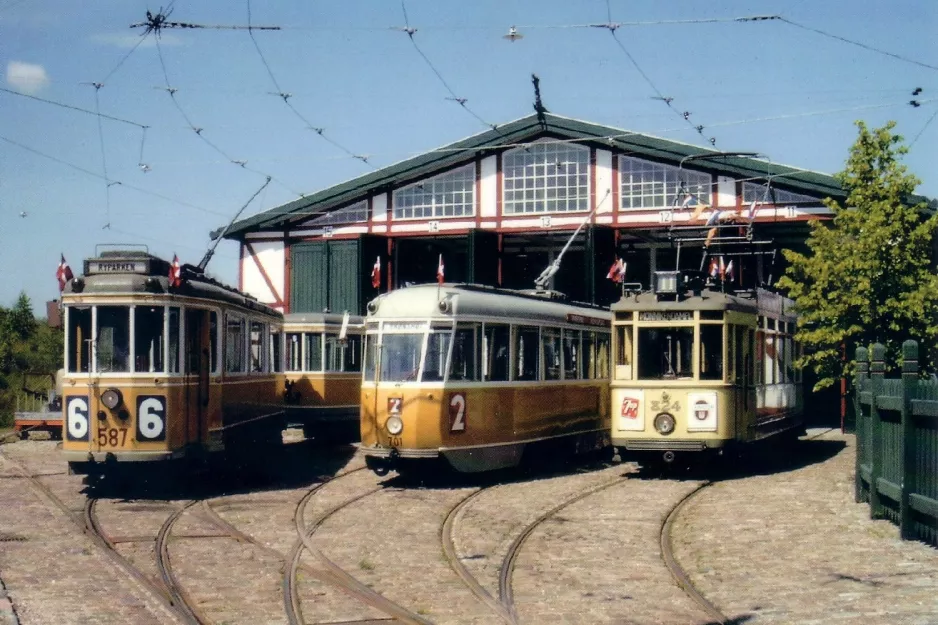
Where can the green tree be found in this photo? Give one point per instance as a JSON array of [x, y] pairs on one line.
[[869, 276], [30, 354]]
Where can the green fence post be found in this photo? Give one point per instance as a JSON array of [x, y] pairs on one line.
[[862, 374], [877, 374], [909, 382]]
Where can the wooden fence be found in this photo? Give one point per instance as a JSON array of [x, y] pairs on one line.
[[897, 443]]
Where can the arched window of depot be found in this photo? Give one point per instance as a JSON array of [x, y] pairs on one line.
[[546, 177], [448, 195], [646, 184]]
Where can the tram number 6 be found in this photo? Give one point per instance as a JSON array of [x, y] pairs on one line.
[[457, 412], [151, 417], [76, 422]]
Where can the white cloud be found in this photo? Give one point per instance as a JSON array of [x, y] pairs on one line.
[[26, 77]]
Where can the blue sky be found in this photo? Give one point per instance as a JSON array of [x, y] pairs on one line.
[[774, 87]]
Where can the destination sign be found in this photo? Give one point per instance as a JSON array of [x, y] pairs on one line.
[[118, 266], [587, 321], [682, 315]]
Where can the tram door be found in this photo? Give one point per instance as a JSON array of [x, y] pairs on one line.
[[743, 376], [197, 372]]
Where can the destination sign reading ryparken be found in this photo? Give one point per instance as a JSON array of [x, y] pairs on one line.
[[587, 320], [666, 316], [118, 266]]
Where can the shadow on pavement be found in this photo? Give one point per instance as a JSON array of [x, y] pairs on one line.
[[291, 465]]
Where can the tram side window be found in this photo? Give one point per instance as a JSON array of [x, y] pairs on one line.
[[148, 339], [258, 365], [789, 360], [437, 350], [343, 354], [571, 354], [276, 352], [113, 342], [79, 337], [769, 364], [495, 357], [294, 351], [603, 351], [371, 353], [527, 363], [623, 352], [313, 351], [172, 354], [463, 364], [665, 353], [711, 352], [234, 344], [551, 339], [213, 339], [731, 353], [760, 351]]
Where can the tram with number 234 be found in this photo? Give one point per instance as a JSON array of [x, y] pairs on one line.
[[700, 370]]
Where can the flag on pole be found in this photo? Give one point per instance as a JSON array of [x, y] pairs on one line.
[[440, 271], [617, 271], [751, 213], [722, 269], [64, 273], [376, 274], [729, 270], [714, 268], [175, 275]]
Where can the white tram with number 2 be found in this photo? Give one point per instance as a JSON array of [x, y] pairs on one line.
[[702, 370]]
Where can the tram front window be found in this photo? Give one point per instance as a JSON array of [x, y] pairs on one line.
[[113, 347], [148, 339], [400, 357], [79, 339], [665, 353], [711, 352]]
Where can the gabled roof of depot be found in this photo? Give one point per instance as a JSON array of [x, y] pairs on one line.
[[525, 130]]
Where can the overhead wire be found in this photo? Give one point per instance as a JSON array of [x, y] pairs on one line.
[[319, 130], [113, 182], [198, 131], [612, 27], [107, 184], [930, 120], [72, 107], [461, 101], [856, 43]]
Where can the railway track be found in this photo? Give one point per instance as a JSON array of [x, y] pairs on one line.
[[330, 572], [505, 593], [87, 522]]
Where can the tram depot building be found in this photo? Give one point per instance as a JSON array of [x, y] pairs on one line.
[[498, 207]]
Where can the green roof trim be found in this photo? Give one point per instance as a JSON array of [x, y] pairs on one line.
[[523, 130]]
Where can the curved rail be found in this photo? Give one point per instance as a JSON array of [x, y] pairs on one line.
[[505, 593], [449, 549], [677, 572], [178, 595], [330, 571]]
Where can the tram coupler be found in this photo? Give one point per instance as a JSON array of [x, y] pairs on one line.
[[382, 466], [668, 457]]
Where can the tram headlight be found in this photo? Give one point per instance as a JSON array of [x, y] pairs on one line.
[[664, 423], [111, 398], [395, 425]]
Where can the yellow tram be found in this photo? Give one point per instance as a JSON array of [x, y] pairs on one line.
[[474, 375], [697, 369], [323, 374], [164, 363]]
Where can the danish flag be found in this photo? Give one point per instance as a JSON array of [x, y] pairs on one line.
[[376, 274], [175, 276], [617, 271], [439, 271], [714, 268], [64, 273]]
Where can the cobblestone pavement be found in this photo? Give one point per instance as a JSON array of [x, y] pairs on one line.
[[792, 546], [781, 541]]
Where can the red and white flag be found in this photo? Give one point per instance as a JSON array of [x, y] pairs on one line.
[[714, 268], [64, 273], [722, 269], [617, 271], [729, 270], [376, 274], [175, 276], [440, 271]]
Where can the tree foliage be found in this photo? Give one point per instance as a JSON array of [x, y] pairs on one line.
[[870, 275], [30, 354]]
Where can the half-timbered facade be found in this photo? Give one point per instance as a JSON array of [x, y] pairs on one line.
[[496, 208]]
